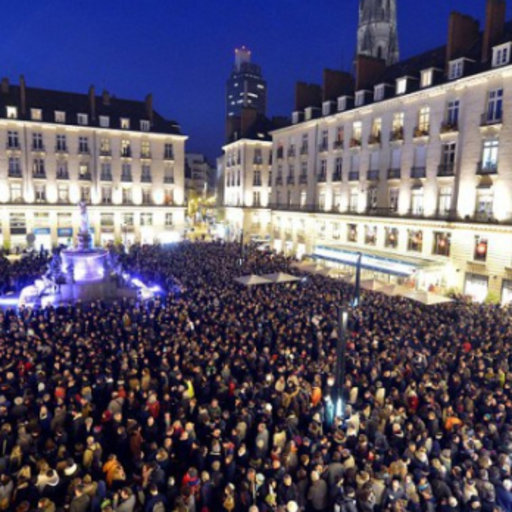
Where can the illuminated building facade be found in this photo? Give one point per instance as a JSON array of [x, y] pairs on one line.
[[119, 156], [410, 164]]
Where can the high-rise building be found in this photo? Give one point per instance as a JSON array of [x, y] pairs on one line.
[[377, 32], [245, 87], [59, 148]]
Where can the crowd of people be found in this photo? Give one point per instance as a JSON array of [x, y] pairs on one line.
[[218, 397], [21, 270]]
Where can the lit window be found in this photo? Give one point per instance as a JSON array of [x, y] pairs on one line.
[[442, 243], [125, 123], [12, 112], [427, 76], [501, 55], [456, 69], [60, 116], [414, 240], [401, 85], [82, 119], [490, 156], [423, 121], [480, 252], [36, 114]]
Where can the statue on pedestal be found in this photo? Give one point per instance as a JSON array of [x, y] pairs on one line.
[[84, 237]]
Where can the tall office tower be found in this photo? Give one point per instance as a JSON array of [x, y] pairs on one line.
[[377, 31], [245, 87]]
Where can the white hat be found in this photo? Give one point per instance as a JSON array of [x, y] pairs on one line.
[[292, 506]]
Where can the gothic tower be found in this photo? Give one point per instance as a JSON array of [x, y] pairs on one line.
[[377, 32]]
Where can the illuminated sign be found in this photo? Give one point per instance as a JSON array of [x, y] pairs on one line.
[[368, 261]]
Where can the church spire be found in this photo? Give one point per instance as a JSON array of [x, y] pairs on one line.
[[377, 32]]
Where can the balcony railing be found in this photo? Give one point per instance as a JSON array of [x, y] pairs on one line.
[[38, 147], [39, 174], [86, 176], [126, 178], [353, 176], [396, 135], [169, 179], [321, 178], [488, 120], [420, 132], [303, 179], [61, 149], [338, 144], [372, 175], [126, 153], [336, 176], [106, 177], [447, 127], [258, 160], [146, 178], [290, 180], [168, 156], [291, 152], [63, 175], [83, 150], [13, 145], [280, 153], [14, 173], [418, 172], [279, 180], [304, 150], [482, 216], [256, 183], [487, 168], [105, 152], [374, 138], [394, 174], [355, 142], [324, 146], [145, 155], [446, 170]]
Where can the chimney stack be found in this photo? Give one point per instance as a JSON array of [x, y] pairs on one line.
[[336, 83], [149, 108], [307, 95], [5, 85], [494, 26], [23, 96], [248, 118], [463, 33], [369, 71], [92, 103], [105, 97]]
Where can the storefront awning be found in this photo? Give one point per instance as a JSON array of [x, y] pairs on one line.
[[374, 260]]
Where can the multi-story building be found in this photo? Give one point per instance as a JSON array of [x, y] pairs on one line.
[[199, 176], [246, 87], [59, 148], [410, 167]]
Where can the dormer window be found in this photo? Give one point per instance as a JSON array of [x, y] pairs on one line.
[[326, 108], [104, 121], [82, 119], [360, 97], [342, 103], [401, 85], [427, 77], [12, 112], [60, 116], [125, 123], [378, 92], [501, 55], [456, 69], [144, 125], [36, 114]]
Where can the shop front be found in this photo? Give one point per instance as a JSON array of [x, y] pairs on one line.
[[476, 287], [506, 292], [43, 239], [65, 236]]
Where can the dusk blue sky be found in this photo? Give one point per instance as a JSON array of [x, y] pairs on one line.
[[182, 50]]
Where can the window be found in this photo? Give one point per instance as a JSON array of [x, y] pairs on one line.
[[370, 235], [495, 105], [452, 117], [128, 220], [104, 121], [480, 250], [427, 76], [490, 156], [60, 116], [62, 170], [126, 172], [83, 171], [357, 133], [106, 171], [145, 149], [147, 197], [353, 203], [360, 96], [40, 193], [145, 173], [168, 219], [37, 141], [38, 168], [397, 128], [396, 161], [303, 198], [256, 200], [146, 219], [85, 193], [442, 243], [126, 150], [448, 151], [484, 203], [378, 92], [304, 145], [501, 55], [401, 85], [338, 167], [324, 141], [372, 198], [125, 123], [82, 119], [417, 202], [420, 160], [352, 233], [12, 112], [83, 145], [257, 179], [414, 240], [62, 193], [36, 114], [445, 200], [456, 69], [336, 232], [340, 136], [15, 192], [391, 238], [393, 199], [168, 196], [126, 195], [105, 146], [354, 162], [321, 201], [107, 219], [17, 223], [12, 140], [60, 143], [144, 125], [169, 174], [376, 131], [168, 151], [14, 169], [423, 121]]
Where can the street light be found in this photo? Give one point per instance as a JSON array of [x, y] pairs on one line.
[[241, 260], [341, 348], [357, 289]]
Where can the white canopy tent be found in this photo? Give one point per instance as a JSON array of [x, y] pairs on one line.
[[252, 280], [427, 298], [280, 277]]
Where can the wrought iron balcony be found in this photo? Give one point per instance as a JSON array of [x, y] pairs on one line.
[[321, 178], [169, 179], [446, 170], [290, 180], [353, 176], [338, 144], [303, 179], [14, 173], [397, 135], [487, 168], [336, 176], [146, 178], [418, 172], [372, 175], [448, 127], [488, 120], [394, 174], [105, 177]]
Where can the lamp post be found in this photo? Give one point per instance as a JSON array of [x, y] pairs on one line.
[[341, 348], [357, 289], [241, 260]]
